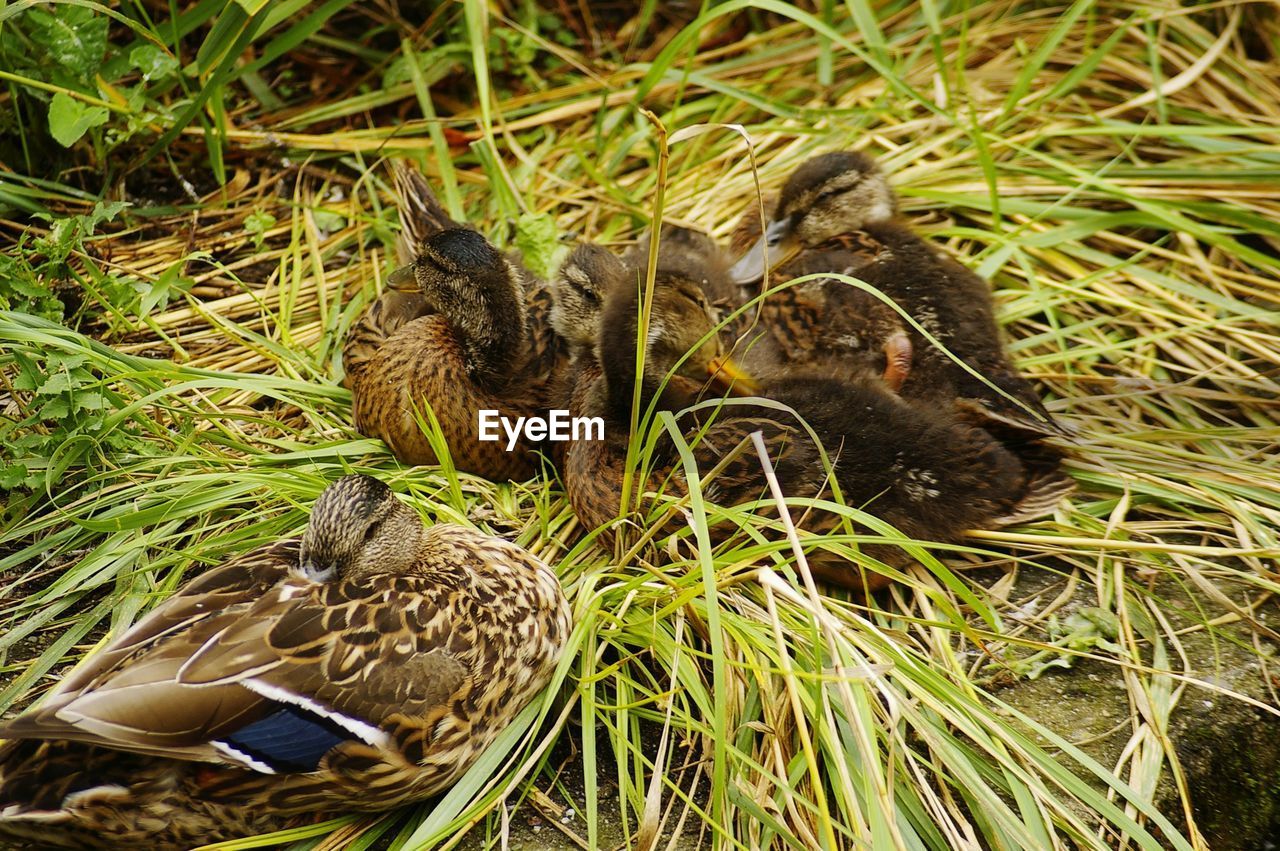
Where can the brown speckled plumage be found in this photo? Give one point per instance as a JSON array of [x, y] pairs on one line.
[[466, 354], [824, 319], [840, 197], [424, 362], [415, 644], [461, 340], [920, 468]]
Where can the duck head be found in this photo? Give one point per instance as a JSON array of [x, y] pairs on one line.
[[829, 195], [681, 322], [468, 281], [688, 253], [587, 275], [357, 528]]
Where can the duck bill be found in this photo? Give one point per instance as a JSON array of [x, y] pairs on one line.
[[403, 280], [771, 246], [728, 377]]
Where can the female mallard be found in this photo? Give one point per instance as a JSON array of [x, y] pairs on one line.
[[360, 668], [837, 213], [463, 329], [916, 467]]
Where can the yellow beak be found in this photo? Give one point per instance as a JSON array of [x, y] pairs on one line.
[[728, 377]]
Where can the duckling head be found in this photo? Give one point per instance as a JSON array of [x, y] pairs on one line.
[[358, 527], [688, 253], [681, 341], [587, 275], [468, 282], [828, 195]]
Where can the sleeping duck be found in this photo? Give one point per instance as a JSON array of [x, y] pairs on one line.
[[920, 468], [362, 667], [462, 329]]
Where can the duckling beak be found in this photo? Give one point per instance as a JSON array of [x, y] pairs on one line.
[[728, 377], [771, 244], [403, 280]]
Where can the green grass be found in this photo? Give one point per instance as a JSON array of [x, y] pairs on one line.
[[1133, 239]]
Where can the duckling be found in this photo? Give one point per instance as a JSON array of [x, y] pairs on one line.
[[691, 254], [362, 667], [917, 467], [680, 317], [467, 353], [837, 212], [578, 292], [590, 272], [461, 327], [869, 330]]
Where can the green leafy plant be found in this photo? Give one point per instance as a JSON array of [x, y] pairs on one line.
[[34, 273], [61, 431], [70, 79], [256, 224], [69, 119]]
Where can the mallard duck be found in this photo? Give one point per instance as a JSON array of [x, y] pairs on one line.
[[467, 353], [463, 329], [364, 666], [917, 467], [837, 213]]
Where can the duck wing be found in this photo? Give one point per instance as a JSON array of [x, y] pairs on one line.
[[277, 684], [230, 587]]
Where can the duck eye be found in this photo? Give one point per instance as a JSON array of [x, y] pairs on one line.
[[372, 531], [591, 296]]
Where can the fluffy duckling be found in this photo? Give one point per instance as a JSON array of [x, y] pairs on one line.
[[359, 668], [836, 213], [919, 468], [462, 328], [691, 254], [603, 374], [467, 352], [578, 293]]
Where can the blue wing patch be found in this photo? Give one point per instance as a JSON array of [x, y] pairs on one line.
[[289, 740]]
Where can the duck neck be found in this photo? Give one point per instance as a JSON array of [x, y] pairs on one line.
[[493, 333]]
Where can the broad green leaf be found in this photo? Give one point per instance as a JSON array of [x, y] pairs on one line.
[[153, 62], [73, 37], [69, 119]]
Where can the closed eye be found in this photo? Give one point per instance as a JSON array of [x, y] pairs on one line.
[[372, 532]]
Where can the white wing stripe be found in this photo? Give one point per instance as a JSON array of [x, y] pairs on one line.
[[366, 732]]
